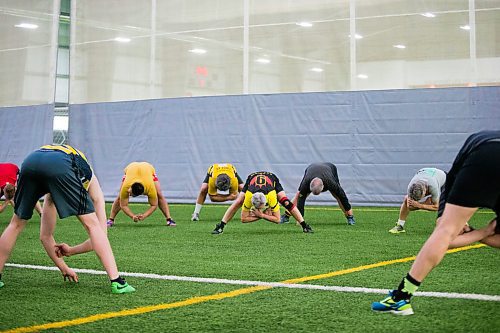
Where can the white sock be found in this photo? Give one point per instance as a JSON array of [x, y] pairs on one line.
[[401, 222], [197, 209]]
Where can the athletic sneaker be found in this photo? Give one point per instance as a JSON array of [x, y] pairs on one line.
[[195, 217], [402, 308], [2, 284], [117, 288], [350, 220], [110, 223], [218, 229], [397, 229], [307, 229], [171, 223], [284, 219]]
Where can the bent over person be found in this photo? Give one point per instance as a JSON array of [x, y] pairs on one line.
[[423, 193], [472, 183], [318, 178], [263, 206], [222, 183], [8, 181], [64, 176], [140, 179]]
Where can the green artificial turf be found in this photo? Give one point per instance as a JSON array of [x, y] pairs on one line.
[[259, 251]]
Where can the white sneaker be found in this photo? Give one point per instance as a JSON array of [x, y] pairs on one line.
[[195, 217]]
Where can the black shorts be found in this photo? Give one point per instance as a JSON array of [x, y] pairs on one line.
[[55, 172], [477, 182]]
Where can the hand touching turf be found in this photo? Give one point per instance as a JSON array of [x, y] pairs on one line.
[[69, 274]]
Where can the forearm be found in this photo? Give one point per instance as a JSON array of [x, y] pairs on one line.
[[249, 219], [271, 218], [84, 247], [430, 208], [49, 243], [223, 198], [149, 211], [127, 211]]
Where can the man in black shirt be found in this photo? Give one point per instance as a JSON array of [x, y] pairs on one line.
[[321, 177], [472, 182]]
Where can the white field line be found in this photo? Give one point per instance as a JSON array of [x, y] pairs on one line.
[[479, 297]]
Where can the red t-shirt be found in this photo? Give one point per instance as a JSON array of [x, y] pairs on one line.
[[8, 174]]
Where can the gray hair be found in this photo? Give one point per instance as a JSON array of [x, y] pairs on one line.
[[417, 190], [258, 199], [316, 186]]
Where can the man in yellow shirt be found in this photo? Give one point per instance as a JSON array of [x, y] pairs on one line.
[[222, 183], [263, 205], [140, 179]]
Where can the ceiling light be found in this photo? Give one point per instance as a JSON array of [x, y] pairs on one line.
[[465, 27], [357, 36], [399, 46], [430, 15], [198, 51], [263, 61], [304, 24], [26, 26], [362, 76], [316, 69], [122, 39]]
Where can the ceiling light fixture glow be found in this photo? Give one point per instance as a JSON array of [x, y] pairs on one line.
[[263, 61], [26, 26], [198, 51], [399, 46], [122, 39], [316, 69], [465, 27], [357, 36], [362, 76], [430, 15], [304, 24]]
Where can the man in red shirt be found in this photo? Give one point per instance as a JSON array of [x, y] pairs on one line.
[[8, 180]]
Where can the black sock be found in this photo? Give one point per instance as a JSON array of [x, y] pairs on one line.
[[303, 224], [119, 279], [169, 219], [0, 276], [222, 224], [112, 219], [406, 288]]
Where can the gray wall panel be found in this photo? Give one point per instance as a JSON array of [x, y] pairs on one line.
[[24, 129], [377, 139]]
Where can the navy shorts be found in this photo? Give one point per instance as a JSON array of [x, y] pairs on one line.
[[55, 172]]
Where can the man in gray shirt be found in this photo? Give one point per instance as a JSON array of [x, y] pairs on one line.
[[423, 193]]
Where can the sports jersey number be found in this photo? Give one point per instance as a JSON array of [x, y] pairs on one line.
[[260, 180]]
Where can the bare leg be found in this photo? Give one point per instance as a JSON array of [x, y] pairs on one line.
[[453, 220], [100, 243], [115, 208], [404, 211], [228, 215], [162, 202], [202, 196], [9, 237], [484, 235]]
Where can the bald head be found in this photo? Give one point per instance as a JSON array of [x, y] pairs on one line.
[[316, 186]]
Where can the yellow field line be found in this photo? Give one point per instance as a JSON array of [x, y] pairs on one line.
[[202, 299]]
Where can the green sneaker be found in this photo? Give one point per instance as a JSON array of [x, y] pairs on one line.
[[117, 288], [397, 229], [2, 284]]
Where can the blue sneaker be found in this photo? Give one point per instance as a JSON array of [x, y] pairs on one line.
[[402, 308], [284, 219], [350, 220]]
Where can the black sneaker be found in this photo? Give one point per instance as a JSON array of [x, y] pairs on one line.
[[307, 229], [218, 229]]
